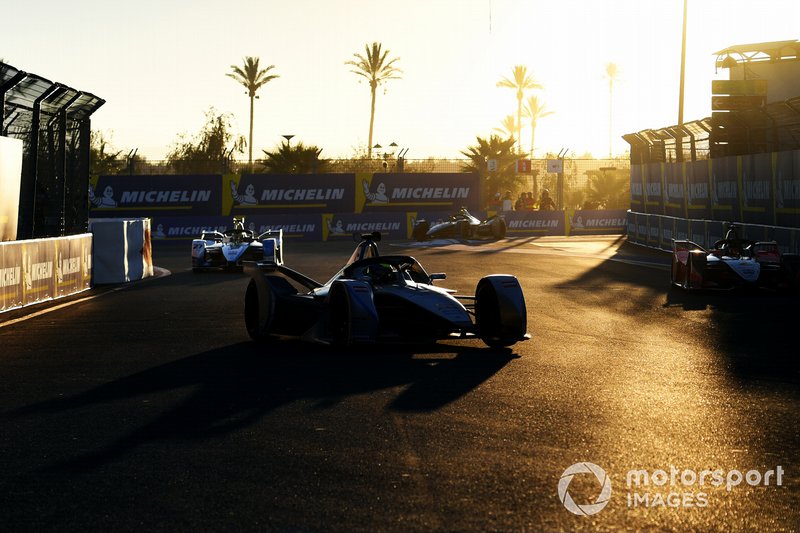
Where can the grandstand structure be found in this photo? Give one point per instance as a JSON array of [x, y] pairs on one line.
[[756, 111], [53, 122]]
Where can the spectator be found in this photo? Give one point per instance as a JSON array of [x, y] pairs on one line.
[[520, 205], [508, 203], [546, 203], [529, 203], [494, 205]]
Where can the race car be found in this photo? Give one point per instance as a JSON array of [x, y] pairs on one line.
[[227, 250], [461, 225], [732, 262], [379, 298]]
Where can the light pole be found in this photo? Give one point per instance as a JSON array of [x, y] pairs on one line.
[[679, 139]]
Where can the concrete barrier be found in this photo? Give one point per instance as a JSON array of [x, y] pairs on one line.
[[38, 270]]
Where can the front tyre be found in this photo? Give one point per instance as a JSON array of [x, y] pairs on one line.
[[500, 313], [258, 311]]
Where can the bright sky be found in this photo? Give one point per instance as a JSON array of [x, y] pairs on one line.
[[160, 64]]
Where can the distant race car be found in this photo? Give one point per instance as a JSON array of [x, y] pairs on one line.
[[461, 225], [379, 298], [227, 250], [731, 263]]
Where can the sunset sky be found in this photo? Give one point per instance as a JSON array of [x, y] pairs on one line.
[[160, 64]]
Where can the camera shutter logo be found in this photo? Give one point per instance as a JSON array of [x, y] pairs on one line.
[[587, 509]]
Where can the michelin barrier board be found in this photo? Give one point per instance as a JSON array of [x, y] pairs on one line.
[[762, 189], [38, 270], [393, 225], [10, 178], [122, 250], [658, 231], [278, 194]]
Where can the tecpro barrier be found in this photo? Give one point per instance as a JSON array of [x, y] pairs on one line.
[[122, 250], [658, 231], [38, 270]]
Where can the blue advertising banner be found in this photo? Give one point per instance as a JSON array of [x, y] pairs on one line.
[[674, 198], [654, 230], [534, 223], [725, 188], [342, 226], [653, 188], [183, 228], [291, 193], [697, 232], [681, 229], [142, 196], [756, 189], [698, 198], [408, 192], [598, 222], [787, 188], [637, 193]]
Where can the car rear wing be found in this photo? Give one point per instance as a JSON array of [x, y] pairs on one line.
[[684, 245]]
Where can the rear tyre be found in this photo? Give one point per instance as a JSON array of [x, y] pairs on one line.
[[498, 228], [420, 232]]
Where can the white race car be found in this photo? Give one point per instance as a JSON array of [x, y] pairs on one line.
[[226, 250]]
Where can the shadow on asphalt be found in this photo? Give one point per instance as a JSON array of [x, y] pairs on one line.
[[233, 387], [754, 330]]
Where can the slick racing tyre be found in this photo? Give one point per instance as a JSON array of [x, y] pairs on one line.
[[465, 229], [500, 317], [420, 232], [258, 311], [498, 228]]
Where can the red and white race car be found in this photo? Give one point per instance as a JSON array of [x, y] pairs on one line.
[[731, 263]]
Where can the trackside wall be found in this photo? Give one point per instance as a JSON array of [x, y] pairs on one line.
[[37, 270], [658, 231]]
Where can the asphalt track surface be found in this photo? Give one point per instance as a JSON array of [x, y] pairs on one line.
[[147, 408]]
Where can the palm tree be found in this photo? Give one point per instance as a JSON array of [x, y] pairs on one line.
[[253, 78], [296, 159], [508, 127], [376, 69], [535, 110], [612, 73], [501, 150], [521, 82]]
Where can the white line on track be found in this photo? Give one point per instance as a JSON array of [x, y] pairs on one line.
[[157, 273]]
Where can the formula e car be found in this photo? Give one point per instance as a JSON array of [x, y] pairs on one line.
[[227, 250], [461, 225], [731, 263], [379, 298]]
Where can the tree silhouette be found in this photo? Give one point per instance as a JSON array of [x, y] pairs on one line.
[[209, 151], [534, 110], [502, 151], [376, 69], [253, 78], [508, 128], [297, 159], [521, 81]]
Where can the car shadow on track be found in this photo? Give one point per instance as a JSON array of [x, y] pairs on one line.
[[233, 387]]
